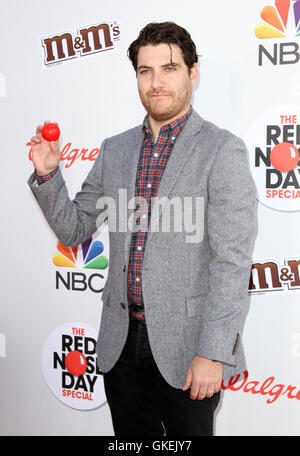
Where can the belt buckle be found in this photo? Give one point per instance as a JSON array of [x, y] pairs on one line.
[[131, 312]]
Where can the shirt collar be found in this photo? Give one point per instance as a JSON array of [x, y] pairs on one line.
[[173, 128]]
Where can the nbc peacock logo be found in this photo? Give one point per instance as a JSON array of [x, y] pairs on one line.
[[86, 256], [280, 21]]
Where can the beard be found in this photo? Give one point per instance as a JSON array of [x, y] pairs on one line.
[[166, 108]]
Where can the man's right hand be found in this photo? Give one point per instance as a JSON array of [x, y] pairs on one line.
[[45, 154]]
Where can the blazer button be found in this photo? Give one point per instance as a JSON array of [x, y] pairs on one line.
[[124, 268], [123, 305]]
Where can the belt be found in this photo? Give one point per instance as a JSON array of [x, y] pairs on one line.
[[135, 314]]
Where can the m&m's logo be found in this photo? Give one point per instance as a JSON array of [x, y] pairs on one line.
[[87, 40]]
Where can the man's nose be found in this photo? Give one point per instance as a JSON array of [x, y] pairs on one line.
[[157, 80]]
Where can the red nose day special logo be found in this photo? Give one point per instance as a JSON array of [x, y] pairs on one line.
[[86, 256], [273, 142], [69, 364], [280, 21]]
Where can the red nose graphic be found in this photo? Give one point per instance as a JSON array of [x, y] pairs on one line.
[[75, 363], [284, 157]]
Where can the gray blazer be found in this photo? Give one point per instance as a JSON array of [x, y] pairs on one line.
[[195, 293]]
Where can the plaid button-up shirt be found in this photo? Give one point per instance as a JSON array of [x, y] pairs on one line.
[[152, 163]]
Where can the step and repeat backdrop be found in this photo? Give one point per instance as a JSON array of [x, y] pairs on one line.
[[66, 61]]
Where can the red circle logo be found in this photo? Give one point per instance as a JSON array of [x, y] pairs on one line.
[[284, 157], [75, 363]]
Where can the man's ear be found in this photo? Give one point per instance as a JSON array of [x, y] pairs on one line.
[[194, 72]]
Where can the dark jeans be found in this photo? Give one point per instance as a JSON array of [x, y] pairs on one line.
[[142, 403]]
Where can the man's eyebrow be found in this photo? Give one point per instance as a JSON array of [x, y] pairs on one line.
[[165, 65], [173, 64], [143, 66]]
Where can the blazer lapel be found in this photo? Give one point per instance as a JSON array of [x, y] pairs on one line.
[[183, 147], [132, 154]]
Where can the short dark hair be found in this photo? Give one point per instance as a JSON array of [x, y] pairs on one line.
[[164, 32]]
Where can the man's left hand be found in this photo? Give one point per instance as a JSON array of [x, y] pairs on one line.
[[204, 377]]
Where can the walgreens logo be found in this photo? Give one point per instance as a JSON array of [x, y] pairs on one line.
[[280, 21], [87, 40], [268, 388], [70, 154]]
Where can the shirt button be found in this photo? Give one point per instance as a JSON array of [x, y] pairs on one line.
[[156, 154], [149, 185], [173, 138], [137, 279], [139, 247]]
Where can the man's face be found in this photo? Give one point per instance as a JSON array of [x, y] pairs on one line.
[[165, 89]]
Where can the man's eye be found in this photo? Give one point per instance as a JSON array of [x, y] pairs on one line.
[[170, 68], [144, 71]]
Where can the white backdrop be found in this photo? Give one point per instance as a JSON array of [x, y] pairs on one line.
[[93, 96]]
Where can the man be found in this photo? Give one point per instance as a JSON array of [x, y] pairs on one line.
[[173, 305]]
